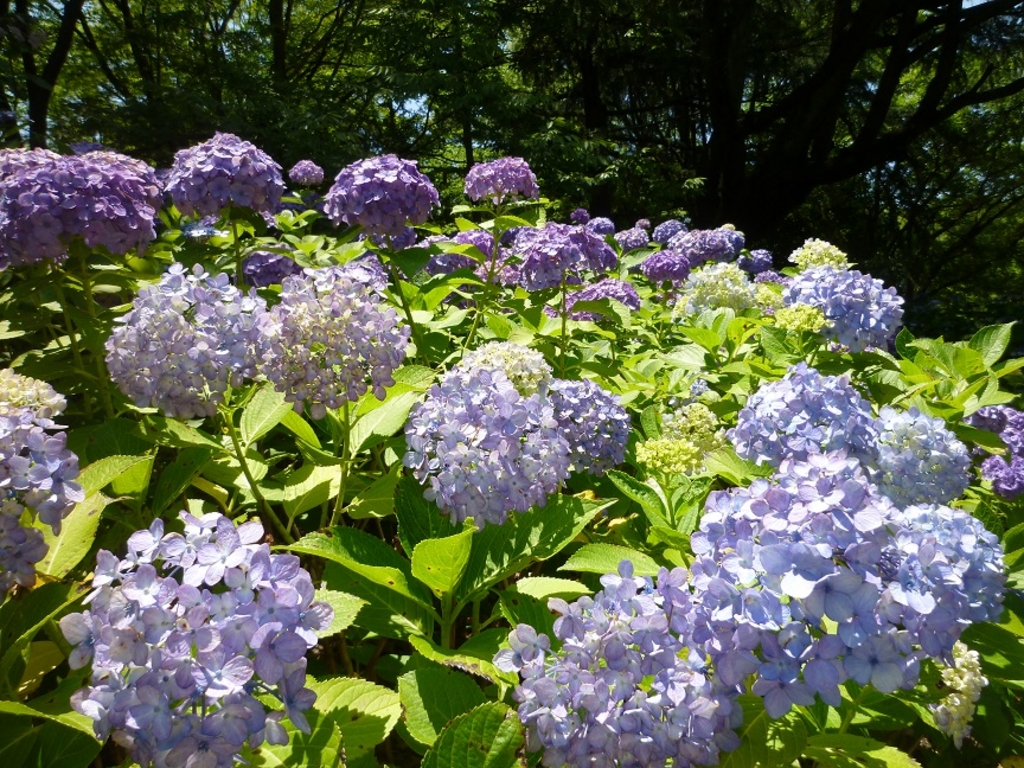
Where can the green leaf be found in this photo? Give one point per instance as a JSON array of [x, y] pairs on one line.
[[22, 619], [543, 587], [20, 738], [345, 606], [489, 736], [364, 712], [299, 427], [992, 342], [737, 471], [842, 750], [310, 486], [61, 746], [706, 338], [101, 473], [418, 519], [321, 748], [433, 697], [264, 412], [377, 499], [475, 656], [903, 340], [605, 558], [441, 563], [644, 495], [650, 420], [77, 534], [364, 566], [177, 476], [383, 421], [177, 434], [68, 721], [765, 741], [537, 534]]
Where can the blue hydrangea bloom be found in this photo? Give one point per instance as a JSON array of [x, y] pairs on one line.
[[700, 246], [1006, 473], [755, 262], [383, 195], [593, 422], [665, 265], [580, 216], [609, 288], [667, 230], [306, 173], [632, 239], [263, 268], [862, 313], [600, 225], [502, 180], [556, 252]]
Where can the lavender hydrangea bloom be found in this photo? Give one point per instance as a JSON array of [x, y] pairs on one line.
[[665, 265], [185, 340], [383, 195], [502, 180], [756, 262], [483, 448], [263, 268], [102, 199], [600, 226], [1006, 473], [802, 414], [667, 230], [182, 635], [609, 288], [551, 254], [330, 339], [771, 276], [862, 313], [632, 239], [593, 422], [579, 217], [700, 246], [918, 460], [224, 171], [306, 173], [628, 685], [13, 160]]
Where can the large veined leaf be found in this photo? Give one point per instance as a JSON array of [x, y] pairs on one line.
[[489, 736], [764, 740], [605, 558], [432, 697], [322, 747], [441, 563], [363, 711], [475, 656], [77, 533], [262, 414]]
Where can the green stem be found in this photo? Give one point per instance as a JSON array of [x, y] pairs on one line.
[[448, 615], [265, 512], [69, 327], [565, 325], [101, 366], [852, 712], [406, 307], [485, 300], [339, 505]]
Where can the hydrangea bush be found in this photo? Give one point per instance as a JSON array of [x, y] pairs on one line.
[[392, 492]]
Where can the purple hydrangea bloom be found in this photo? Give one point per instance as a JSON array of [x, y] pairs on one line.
[[263, 268], [14, 160], [484, 448], [770, 276], [667, 230], [221, 172], [103, 199], [644, 224], [185, 632], [593, 422], [383, 195], [609, 288], [700, 246], [1005, 472], [600, 226], [502, 180], [306, 173], [579, 217], [559, 251], [665, 266], [802, 414], [628, 686], [330, 339], [756, 262], [1006, 475], [632, 239], [185, 340], [862, 313]]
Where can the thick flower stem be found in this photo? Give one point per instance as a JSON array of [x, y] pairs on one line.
[[266, 513], [69, 327], [406, 307], [102, 376], [345, 428], [565, 324]]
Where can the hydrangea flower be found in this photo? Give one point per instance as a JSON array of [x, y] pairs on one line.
[[306, 173], [19, 392], [665, 265], [185, 632], [15, 159], [918, 460], [483, 448], [802, 414], [383, 195], [801, 318], [628, 686], [263, 268], [688, 436], [330, 339], [862, 313], [185, 340], [716, 286], [1006, 475], [964, 681], [818, 253], [1005, 472], [102, 199], [609, 288], [632, 239], [580, 216], [700, 246], [755, 262], [667, 230], [593, 422], [525, 368], [221, 172], [600, 226], [502, 180], [556, 252]]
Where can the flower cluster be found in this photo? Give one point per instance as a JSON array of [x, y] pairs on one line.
[[221, 172], [964, 681], [306, 173], [14, 160], [600, 226], [502, 180], [918, 459], [609, 288], [557, 252], [802, 414], [102, 199], [1005, 472], [593, 422], [714, 287], [700, 246], [37, 474], [667, 230], [632, 239], [484, 448], [665, 266], [525, 368], [811, 578], [800, 318], [185, 340], [755, 262], [818, 253], [184, 632], [862, 313], [263, 268], [688, 435], [383, 195], [330, 339], [627, 687]]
